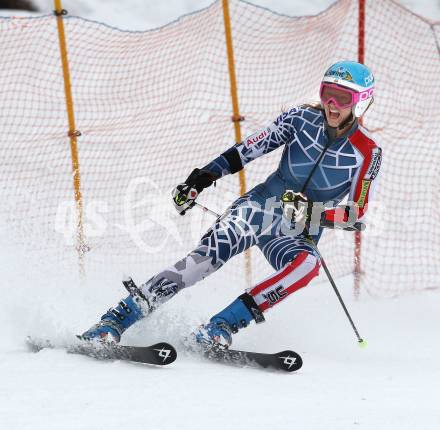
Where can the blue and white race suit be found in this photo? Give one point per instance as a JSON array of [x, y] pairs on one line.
[[348, 166]]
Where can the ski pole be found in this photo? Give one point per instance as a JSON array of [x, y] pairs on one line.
[[205, 209], [289, 198], [362, 342]]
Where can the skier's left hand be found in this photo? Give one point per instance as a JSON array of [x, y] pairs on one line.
[[185, 194], [295, 208]]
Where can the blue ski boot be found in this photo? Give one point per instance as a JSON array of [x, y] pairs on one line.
[[116, 320], [218, 332]]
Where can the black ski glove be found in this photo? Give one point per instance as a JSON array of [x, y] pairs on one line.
[[185, 194]]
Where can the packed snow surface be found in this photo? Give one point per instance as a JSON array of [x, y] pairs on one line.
[[393, 384]]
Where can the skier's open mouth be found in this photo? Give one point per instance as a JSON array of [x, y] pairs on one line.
[[333, 114]]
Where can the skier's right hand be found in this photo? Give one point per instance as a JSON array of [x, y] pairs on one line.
[[184, 195], [184, 198]]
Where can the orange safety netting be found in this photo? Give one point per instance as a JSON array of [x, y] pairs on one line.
[[153, 105]]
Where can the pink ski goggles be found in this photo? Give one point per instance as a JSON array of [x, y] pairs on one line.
[[342, 97]]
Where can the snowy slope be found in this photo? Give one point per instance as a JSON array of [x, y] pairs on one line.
[[394, 384], [145, 14]]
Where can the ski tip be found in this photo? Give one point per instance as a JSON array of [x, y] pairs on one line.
[[166, 353], [126, 278], [36, 345], [289, 361], [31, 345]]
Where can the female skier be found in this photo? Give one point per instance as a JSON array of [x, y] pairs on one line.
[[327, 156]]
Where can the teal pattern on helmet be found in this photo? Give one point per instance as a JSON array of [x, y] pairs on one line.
[[355, 76], [350, 74]]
